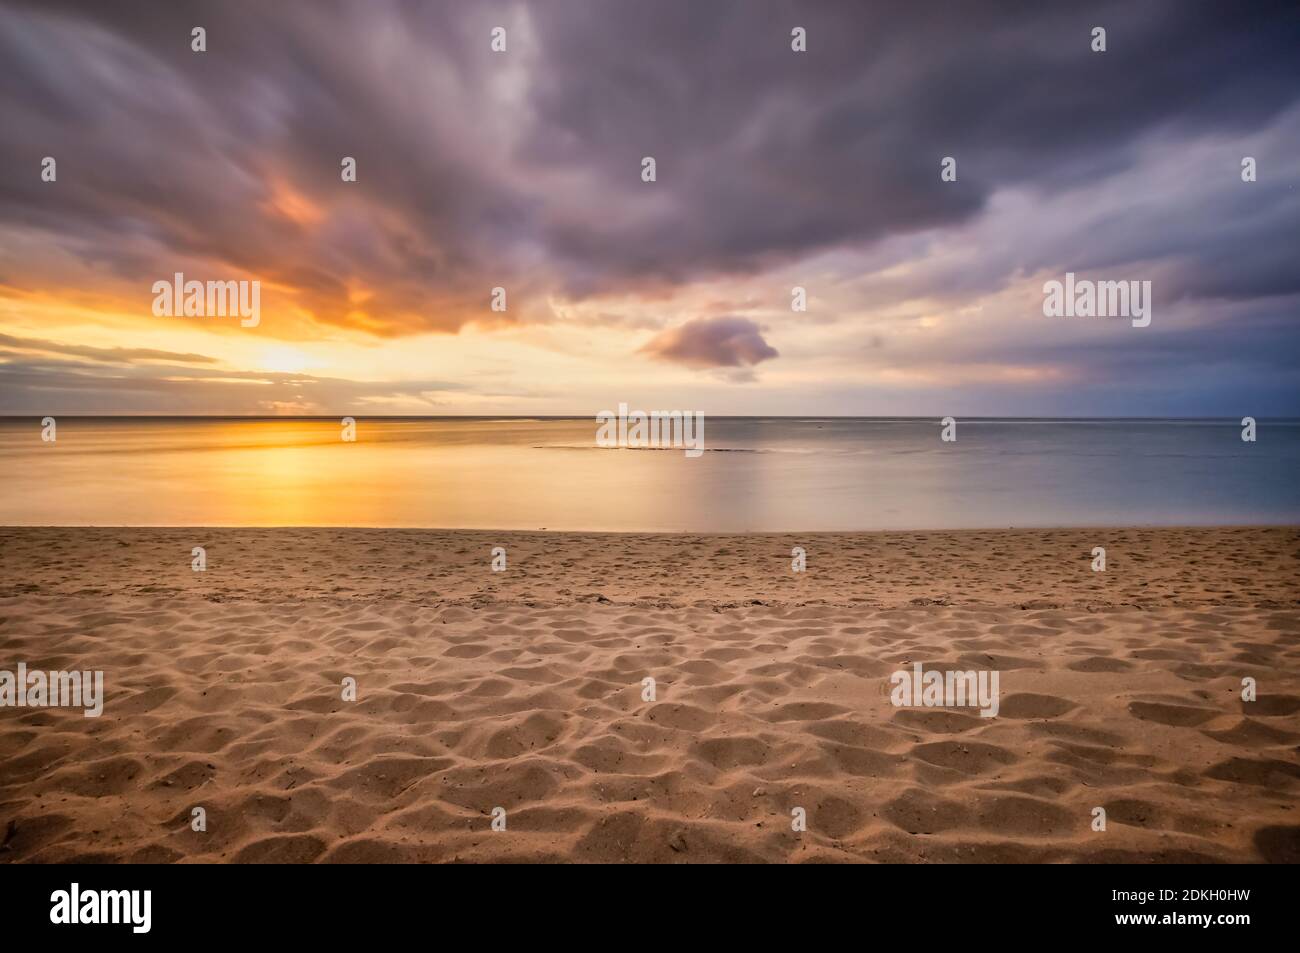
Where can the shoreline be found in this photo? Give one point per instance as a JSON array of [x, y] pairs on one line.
[[1146, 567]]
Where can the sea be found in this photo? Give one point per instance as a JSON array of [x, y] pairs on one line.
[[756, 474]]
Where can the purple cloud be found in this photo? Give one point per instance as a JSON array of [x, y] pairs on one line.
[[711, 342]]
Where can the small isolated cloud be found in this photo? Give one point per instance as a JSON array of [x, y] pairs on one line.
[[711, 342]]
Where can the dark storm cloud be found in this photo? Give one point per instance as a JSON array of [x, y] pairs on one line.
[[166, 155], [763, 154], [522, 169]]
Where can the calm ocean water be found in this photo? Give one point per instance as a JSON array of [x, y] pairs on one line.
[[760, 474]]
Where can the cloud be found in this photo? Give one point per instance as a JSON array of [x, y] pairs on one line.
[[521, 169], [60, 386], [711, 342], [765, 156], [478, 169], [109, 355]]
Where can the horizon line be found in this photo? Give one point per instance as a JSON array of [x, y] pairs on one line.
[[591, 416]]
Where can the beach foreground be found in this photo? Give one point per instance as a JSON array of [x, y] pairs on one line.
[[523, 690]]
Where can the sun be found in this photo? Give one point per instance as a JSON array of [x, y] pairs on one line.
[[284, 360]]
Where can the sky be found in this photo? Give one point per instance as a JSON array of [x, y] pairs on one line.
[[775, 168]]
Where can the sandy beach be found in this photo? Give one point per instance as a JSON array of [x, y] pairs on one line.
[[523, 690]]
